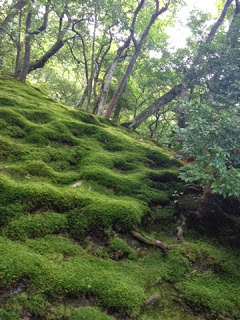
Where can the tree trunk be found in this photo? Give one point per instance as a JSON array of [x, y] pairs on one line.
[[122, 85], [109, 76], [138, 47], [117, 112], [27, 53], [110, 72], [29, 37], [90, 82], [19, 46], [182, 115], [155, 106], [83, 98]]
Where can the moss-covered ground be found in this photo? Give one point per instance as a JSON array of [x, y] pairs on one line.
[[72, 187]]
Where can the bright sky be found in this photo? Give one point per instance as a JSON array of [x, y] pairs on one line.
[[179, 33]]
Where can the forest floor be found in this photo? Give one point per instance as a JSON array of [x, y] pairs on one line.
[[73, 187]]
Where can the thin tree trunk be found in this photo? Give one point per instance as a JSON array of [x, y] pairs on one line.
[[122, 85], [182, 115], [108, 77], [98, 70], [83, 98], [138, 47], [19, 46], [28, 39], [106, 85], [90, 82], [27, 53], [117, 112], [40, 63]]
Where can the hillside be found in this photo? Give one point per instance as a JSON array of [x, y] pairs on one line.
[[72, 188]]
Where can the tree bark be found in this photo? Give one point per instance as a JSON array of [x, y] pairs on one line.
[[108, 76], [155, 106], [122, 86], [40, 63], [83, 98], [90, 82], [28, 39], [174, 92], [19, 46], [138, 47], [27, 53]]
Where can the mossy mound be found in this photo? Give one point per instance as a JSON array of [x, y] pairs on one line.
[[72, 186]]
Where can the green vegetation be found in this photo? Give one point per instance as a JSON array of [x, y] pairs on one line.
[[72, 187], [218, 153]]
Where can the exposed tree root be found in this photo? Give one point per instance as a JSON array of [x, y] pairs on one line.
[[180, 237], [157, 243], [182, 221]]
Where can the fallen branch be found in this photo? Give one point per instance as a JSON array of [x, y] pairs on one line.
[[156, 243]]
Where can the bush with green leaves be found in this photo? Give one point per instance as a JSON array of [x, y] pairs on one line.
[[212, 136]]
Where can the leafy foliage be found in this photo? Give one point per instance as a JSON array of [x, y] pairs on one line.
[[212, 136]]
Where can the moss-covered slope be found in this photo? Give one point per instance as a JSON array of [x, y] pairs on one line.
[[72, 186]]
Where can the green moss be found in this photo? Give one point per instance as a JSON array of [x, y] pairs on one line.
[[87, 313], [110, 179], [4, 101], [84, 117], [105, 279], [164, 213], [160, 159], [38, 117], [37, 225], [54, 246], [164, 176], [9, 151], [37, 168], [107, 122], [118, 244]]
